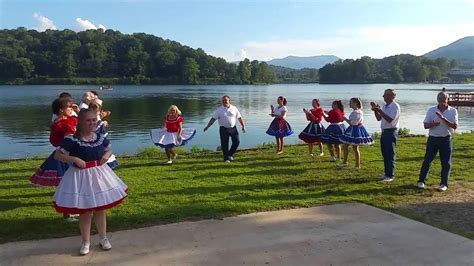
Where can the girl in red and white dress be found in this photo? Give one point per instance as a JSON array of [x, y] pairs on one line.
[[89, 187], [314, 130], [52, 170], [335, 130], [172, 134]]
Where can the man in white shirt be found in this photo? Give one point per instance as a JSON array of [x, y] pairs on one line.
[[388, 116], [227, 116], [441, 120]]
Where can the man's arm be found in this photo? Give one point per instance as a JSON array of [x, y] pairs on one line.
[[241, 121], [211, 121], [450, 124]]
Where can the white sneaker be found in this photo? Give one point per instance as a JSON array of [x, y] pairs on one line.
[[442, 188], [332, 159], [227, 161], [169, 162], [342, 165], [105, 244], [420, 185], [310, 155], [321, 154], [231, 158], [84, 249], [387, 179]]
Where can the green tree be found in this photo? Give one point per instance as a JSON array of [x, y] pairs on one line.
[[244, 71], [190, 72]]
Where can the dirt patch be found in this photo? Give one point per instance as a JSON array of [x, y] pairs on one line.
[[453, 209]]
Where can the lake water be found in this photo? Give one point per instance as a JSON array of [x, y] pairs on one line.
[[25, 111]]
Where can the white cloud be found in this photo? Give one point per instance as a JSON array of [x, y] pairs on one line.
[[376, 42], [240, 55], [84, 24], [44, 23]]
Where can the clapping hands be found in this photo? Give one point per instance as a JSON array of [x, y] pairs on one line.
[[375, 107]]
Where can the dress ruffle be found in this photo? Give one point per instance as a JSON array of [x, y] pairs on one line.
[[50, 172], [312, 133], [279, 127], [332, 133], [161, 137], [356, 135], [89, 189]]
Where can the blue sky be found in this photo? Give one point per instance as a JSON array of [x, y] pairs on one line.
[[263, 29]]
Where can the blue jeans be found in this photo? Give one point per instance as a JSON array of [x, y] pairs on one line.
[[388, 143], [225, 133], [445, 147]]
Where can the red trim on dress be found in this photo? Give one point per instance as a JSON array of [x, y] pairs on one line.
[[81, 211], [47, 178]]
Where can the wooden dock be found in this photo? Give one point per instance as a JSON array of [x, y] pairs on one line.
[[461, 99]]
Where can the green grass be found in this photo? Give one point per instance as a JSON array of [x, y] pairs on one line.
[[200, 186]]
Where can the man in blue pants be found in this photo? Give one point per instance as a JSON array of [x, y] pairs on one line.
[[441, 120], [388, 116], [227, 116]]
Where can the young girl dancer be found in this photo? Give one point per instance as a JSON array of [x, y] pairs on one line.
[[279, 126], [52, 170], [314, 130], [336, 128], [172, 134], [355, 134], [89, 186]]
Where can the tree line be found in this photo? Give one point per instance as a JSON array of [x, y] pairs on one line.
[[392, 69], [98, 56]]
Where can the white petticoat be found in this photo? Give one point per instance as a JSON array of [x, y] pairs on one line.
[[88, 189], [161, 137]]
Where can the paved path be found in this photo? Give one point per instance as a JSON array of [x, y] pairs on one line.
[[341, 234]]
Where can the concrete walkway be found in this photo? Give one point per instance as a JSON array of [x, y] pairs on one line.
[[341, 234]]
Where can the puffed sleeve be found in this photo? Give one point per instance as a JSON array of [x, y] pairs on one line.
[[67, 145], [106, 144], [180, 119]]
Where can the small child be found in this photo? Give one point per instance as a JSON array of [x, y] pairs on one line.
[[314, 130], [336, 128], [89, 186], [279, 127], [355, 134], [172, 134]]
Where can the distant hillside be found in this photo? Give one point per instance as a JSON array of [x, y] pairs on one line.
[[297, 62], [461, 50]]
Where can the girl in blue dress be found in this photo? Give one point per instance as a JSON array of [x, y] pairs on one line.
[[355, 134], [279, 127], [89, 186]]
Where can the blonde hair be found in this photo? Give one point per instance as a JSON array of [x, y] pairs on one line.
[[88, 96], [95, 106], [174, 107]]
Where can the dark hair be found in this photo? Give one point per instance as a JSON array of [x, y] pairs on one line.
[[283, 99], [95, 93], [317, 101], [60, 103], [357, 102], [65, 94], [339, 105], [80, 119]]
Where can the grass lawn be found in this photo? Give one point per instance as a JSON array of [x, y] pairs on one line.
[[200, 186]]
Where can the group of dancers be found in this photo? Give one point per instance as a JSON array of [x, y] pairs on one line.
[[81, 166]]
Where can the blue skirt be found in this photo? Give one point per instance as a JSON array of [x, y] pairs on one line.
[[50, 172], [312, 133], [279, 128], [356, 135], [332, 134]]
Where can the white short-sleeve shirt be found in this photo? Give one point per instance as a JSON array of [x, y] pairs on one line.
[[392, 110], [442, 130], [279, 110], [83, 105], [356, 117], [227, 117]]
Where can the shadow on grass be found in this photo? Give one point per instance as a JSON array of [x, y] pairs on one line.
[[15, 186], [284, 185], [16, 177], [32, 195]]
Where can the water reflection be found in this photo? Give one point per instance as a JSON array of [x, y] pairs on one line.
[[25, 111]]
